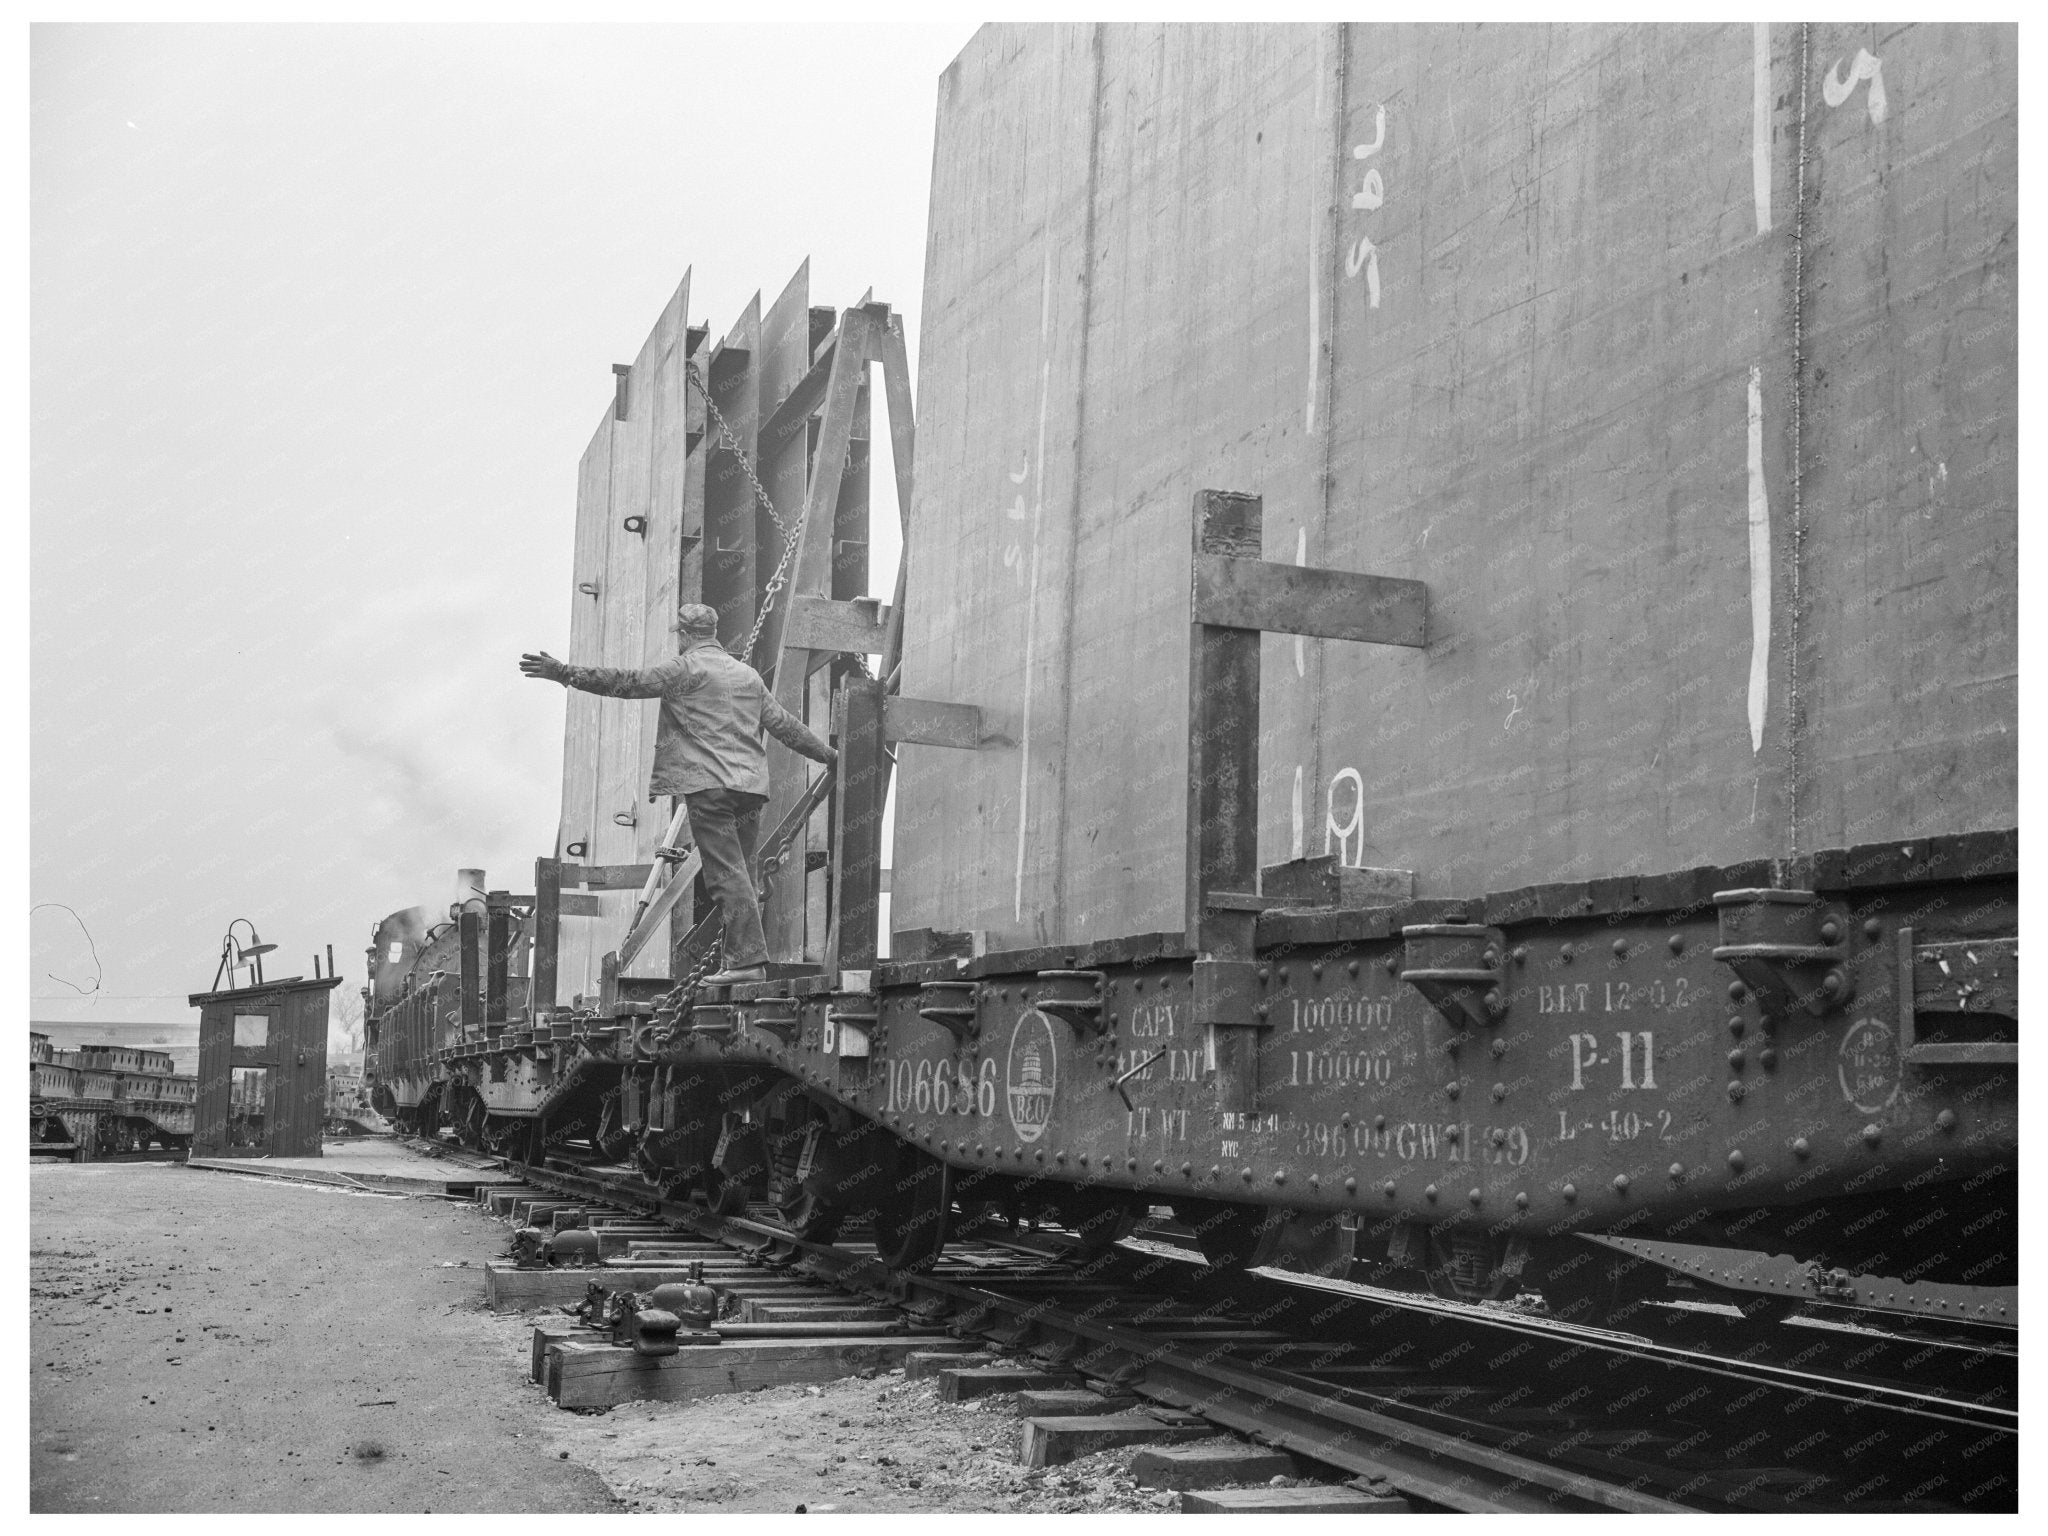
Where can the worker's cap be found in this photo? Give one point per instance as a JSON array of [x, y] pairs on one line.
[[697, 619]]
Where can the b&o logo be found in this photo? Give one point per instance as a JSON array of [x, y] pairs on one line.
[[1031, 1076]]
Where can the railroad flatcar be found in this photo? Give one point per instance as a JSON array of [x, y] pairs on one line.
[[1451, 699], [101, 1100]]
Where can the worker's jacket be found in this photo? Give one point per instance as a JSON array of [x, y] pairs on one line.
[[713, 710]]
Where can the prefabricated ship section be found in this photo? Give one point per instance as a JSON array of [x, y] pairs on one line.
[[1678, 363], [670, 509]]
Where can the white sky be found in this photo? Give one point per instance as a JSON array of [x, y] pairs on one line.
[[321, 320]]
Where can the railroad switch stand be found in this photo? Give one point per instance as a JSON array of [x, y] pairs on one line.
[[1237, 596]]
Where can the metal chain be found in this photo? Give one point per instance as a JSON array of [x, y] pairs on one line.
[[790, 536], [780, 578]]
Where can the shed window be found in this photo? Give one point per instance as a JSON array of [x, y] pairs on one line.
[[252, 1029]]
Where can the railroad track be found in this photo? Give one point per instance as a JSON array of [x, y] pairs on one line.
[[1461, 1407]]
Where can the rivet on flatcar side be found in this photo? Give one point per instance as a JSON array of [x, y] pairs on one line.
[[1520, 954], [1392, 963], [1351, 968], [1215, 1172], [1131, 1165], [1873, 930], [1039, 1155], [1737, 1024], [1451, 1090], [1387, 1189], [1315, 1181], [1429, 1192], [1263, 1009], [1138, 982], [1621, 1183], [1159, 1167], [1767, 1058], [1735, 1092], [1500, 1046], [1316, 969], [1500, 1137], [1736, 1160], [1279, 1175], [1801, 1147], [1621, 949], [1677, 1171], [1522, 1200], [1737, 991], [1450, 1133], [1735, 1059], [1474, 1196], [1282, 975], [1265, 973], [1830, 931], [1564, 953], [1677, 943], [1570, 1191], [1059, 1157], [1345, 1118], [1379, 1122], [1187, 1170], [1872, 1134], [1946, 1120], [1245, 1174]]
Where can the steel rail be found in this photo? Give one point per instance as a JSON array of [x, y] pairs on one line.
[[1285, 1411], [1862, 1392]]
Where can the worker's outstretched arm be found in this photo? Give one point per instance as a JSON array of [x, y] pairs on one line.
[[617, 682], [793, 733]]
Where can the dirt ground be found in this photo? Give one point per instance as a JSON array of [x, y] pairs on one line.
[[207, 1341]]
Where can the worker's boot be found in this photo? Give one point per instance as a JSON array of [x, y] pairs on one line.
[[740, 975]]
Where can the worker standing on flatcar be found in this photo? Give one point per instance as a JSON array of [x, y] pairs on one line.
[[708, 748]]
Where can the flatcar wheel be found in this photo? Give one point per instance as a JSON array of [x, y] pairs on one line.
[[1230, 1235], [614, 1143], [911, 1220], [725, 1196], [810, 1215]]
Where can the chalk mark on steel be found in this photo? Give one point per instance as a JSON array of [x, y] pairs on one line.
[[1031, 597]]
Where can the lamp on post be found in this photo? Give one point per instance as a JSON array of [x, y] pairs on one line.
[[236, 957]]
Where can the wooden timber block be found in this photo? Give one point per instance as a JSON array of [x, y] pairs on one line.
[[1323, 882], [1070, 1403], [1321, 1499], [531, 1212], [580, 1375], [545, 1334], [500, 1201], [777, 1310], [510, 1289], [922, 1363], [967, 1383], [1209, 1466], [1049, 1442]]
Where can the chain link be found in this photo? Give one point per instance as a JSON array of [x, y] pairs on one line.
[[790, 535]]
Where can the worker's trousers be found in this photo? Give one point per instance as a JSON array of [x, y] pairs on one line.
[[727, 825]]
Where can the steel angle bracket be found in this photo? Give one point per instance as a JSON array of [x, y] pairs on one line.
[[1788, 948], [1074, 997], [1459, 968], [778, 1016], [952, 1004]]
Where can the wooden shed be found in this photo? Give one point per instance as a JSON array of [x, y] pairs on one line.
[[262, 1069]]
